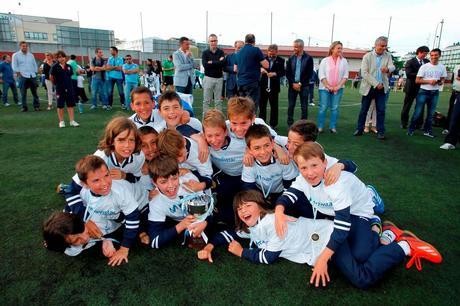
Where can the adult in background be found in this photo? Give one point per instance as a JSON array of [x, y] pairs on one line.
[[333, 74], [46, 67], [299, 69], [269, 91], [131, 71], [98, 66], [311, 88], [230, 60], [411, 88], [168, 74], [25, 67], [249, 60], [76, 71], [61, 76], [213, 63], [115, 76], [431, 77], [183, 61], [453, 96], [454, 127], [375, 67], [8, 80]]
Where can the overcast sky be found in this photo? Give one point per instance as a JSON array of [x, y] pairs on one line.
[[357, 23]]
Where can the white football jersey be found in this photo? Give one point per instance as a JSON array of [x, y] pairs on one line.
[[298, 245], [256, 121], [105, 210], [155, 121], [348, 191], [162, 206], [269, 178], [229, 158], [192, 162]]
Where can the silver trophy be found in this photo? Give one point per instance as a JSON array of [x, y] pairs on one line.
[[197, 204]]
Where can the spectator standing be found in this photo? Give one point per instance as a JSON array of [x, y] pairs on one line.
[[61, 76], [333, 74], [249, 60], [184, 64], [115, 76], [454, 127], [98, 66], [375, 67], [411, 88], [168, 74], [131, 71], [299, 69], [229, 65], [76, 72], [46, 67], [8, 80], [311, 88], [213, 63], [431, 77], [453, 96], [270, 85], [25, 67]]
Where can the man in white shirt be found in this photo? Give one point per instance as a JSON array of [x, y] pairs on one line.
[[430, 77], [25, 67]]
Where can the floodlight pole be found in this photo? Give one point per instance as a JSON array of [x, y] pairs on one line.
[[79, 37], [333, 22], [271, 28], [440, 33], [389, 28], [142, 38], [206, 27]]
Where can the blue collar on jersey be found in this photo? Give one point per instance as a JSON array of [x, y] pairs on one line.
[[188, 144], [270, 162], [123, 164], [95, 194], [226, 143], [140, 121]]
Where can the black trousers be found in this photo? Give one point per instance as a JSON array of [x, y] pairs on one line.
[[454, 124], [408, 101], [271, 96]]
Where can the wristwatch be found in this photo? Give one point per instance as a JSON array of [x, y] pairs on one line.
[[300, 84]]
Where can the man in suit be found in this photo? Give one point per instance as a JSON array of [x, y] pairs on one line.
[[299, 69], [411, 88], [375, 68], [270, 91], [183, 61], [231, 87]]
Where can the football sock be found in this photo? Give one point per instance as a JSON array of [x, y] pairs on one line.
[[387, 237], [405, 246]]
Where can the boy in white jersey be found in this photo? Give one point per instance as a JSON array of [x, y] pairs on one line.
[[349, 202], [226, 152], [431, 76], [167, 220], [142, 105], [185, 151], [267, 174], [172, 112], [305, 241], [107, 204], [241, 115]]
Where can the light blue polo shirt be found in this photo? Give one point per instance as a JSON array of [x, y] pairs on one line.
[[115, 74], [131, 78]]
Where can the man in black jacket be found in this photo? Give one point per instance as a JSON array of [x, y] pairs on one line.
[[269, 91], [411, 88], [299, 68], [213, 63]]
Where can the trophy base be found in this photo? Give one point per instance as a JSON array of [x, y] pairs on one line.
[[195, 243]]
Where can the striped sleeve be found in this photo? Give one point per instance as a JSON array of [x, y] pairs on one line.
[[131, 229], [160, 234], [342, 225], [223, 238], [292, 197], [74, 202], [261, 256]]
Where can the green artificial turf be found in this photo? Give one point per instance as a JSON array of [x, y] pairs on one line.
[[419, 182]]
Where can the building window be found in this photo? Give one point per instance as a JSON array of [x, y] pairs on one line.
[[36, 36]]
